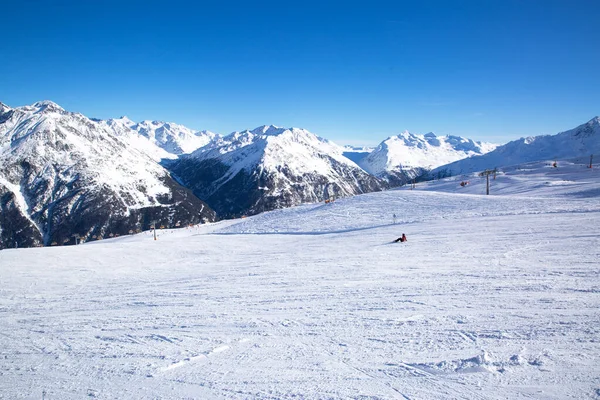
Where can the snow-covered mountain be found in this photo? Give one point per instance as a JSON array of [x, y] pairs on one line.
[[62, 173], [160, 139], [174, 138], [582, 141], [270, 167], [407, 155]]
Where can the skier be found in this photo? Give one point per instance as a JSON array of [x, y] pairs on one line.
[[401, 239]]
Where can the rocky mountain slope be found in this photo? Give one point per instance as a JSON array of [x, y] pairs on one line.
[[580, 142], [268, 168], [63, 174]]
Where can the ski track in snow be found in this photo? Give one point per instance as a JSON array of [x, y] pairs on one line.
[[492, 297]]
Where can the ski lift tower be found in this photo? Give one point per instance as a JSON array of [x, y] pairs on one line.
[[487, 174]]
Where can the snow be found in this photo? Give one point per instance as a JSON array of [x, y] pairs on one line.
[[4, 108], [492, 297], [579, 142], [46, 103], [408, 150], [160, 140], [272, 148], [173, 138], [300, 151], [49, 137], [20, 200]]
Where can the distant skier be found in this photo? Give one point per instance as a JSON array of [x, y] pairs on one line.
[[401, 239]]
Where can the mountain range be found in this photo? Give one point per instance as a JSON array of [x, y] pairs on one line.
[[63, 174], [580, 142]]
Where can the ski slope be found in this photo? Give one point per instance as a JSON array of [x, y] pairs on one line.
[[492, 297]]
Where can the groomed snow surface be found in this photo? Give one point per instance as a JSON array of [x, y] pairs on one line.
[[492, 297]]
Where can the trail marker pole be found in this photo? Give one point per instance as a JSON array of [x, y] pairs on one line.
[[591, 158]]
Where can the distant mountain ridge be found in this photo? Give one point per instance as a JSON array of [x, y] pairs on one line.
[[407, 150], [581, 141], [270, 167], [406, 156], [160, 139]]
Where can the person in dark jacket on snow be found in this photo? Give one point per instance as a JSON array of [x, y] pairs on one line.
[[401, 239]]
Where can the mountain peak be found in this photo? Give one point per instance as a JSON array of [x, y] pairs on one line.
[[4, 107], [589, 129], [267, 130], [408, 151], [205, 132], [47, 105], [125, 120], [148, 122]]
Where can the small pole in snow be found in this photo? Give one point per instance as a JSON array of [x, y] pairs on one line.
[[154, 229], [591, 158]]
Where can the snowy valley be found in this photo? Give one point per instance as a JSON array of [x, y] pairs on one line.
[[492, 297], [213, 200]]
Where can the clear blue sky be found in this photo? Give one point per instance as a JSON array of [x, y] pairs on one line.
[[352, 72]]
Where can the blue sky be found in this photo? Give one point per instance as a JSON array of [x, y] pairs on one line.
[[352, 72]]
